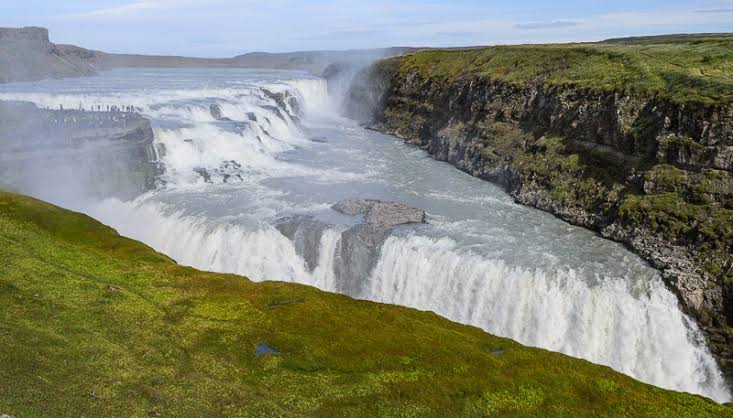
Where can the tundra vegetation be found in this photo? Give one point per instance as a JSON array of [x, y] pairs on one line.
[[95, 324]]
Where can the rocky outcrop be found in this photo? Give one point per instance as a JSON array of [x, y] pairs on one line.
[[103, 153], [380, 216], [27, 34], [286, 103], [216, 113], [305, 232], [654, 174], [27, 54], [359, 247]]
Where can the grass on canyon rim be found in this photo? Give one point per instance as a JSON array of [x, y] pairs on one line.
[[93, 324], [682, 69]]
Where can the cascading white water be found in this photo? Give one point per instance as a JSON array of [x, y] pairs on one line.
[[643, 335], [261, 251], [640, 332], [613, 310], [195, 140]]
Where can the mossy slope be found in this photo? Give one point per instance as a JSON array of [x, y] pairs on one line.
[[94, 324], [696, 71]]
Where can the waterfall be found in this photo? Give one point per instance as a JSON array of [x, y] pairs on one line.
[[223, 148], [640, 332], [645, 336]]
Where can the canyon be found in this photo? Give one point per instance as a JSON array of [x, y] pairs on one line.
[[650, 169], [253, 175]]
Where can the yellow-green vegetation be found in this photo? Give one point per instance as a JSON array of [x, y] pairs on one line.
[[671, 216], [93, 324], [575, 178], [698, 187], [698, 69], [670, 39], [685, 208]]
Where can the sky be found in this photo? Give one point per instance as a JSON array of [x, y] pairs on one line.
[[224, 28]]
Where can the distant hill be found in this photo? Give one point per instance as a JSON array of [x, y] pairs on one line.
[[318, 61], [669, 39], [27, 54]]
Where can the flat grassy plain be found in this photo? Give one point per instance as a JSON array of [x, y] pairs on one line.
[[683, 69], [94, 324]]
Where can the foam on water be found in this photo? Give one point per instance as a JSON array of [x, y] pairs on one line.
[[258, 249], [192, 138], [643, 335]]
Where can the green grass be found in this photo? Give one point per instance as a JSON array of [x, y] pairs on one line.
[[93, 324], [669, 39], [694, 70], [669, 215]]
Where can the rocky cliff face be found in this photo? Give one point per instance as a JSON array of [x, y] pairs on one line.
[[359, 247], [645, 171], [27, 34], [76, 154], [27, 54]]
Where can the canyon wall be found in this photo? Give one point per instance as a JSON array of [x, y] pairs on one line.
[[652, 173]]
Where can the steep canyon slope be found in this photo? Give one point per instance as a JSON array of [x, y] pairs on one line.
[[633, 139]]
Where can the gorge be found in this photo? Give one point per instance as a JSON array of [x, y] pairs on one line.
[[645, 165], [254, 172], [257, 147]]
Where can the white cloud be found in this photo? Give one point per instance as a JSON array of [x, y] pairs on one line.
[[146, 8], [122, 10], [229, 27]]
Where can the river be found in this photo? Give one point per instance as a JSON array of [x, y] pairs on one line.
[[481, 259]]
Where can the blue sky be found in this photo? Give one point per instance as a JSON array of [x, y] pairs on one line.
[[229, 27]]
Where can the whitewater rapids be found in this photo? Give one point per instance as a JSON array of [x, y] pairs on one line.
[[279, 151]]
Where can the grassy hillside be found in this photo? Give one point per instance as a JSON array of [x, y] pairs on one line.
[[698, 69], [94, 324], [669, 39]]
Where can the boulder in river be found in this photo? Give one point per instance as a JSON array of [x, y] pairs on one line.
[[217, 114], [381, 215], [305, 232], [360, 246]]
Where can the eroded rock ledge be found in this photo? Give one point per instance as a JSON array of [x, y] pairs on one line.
[[104, 153], [359, 247]]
